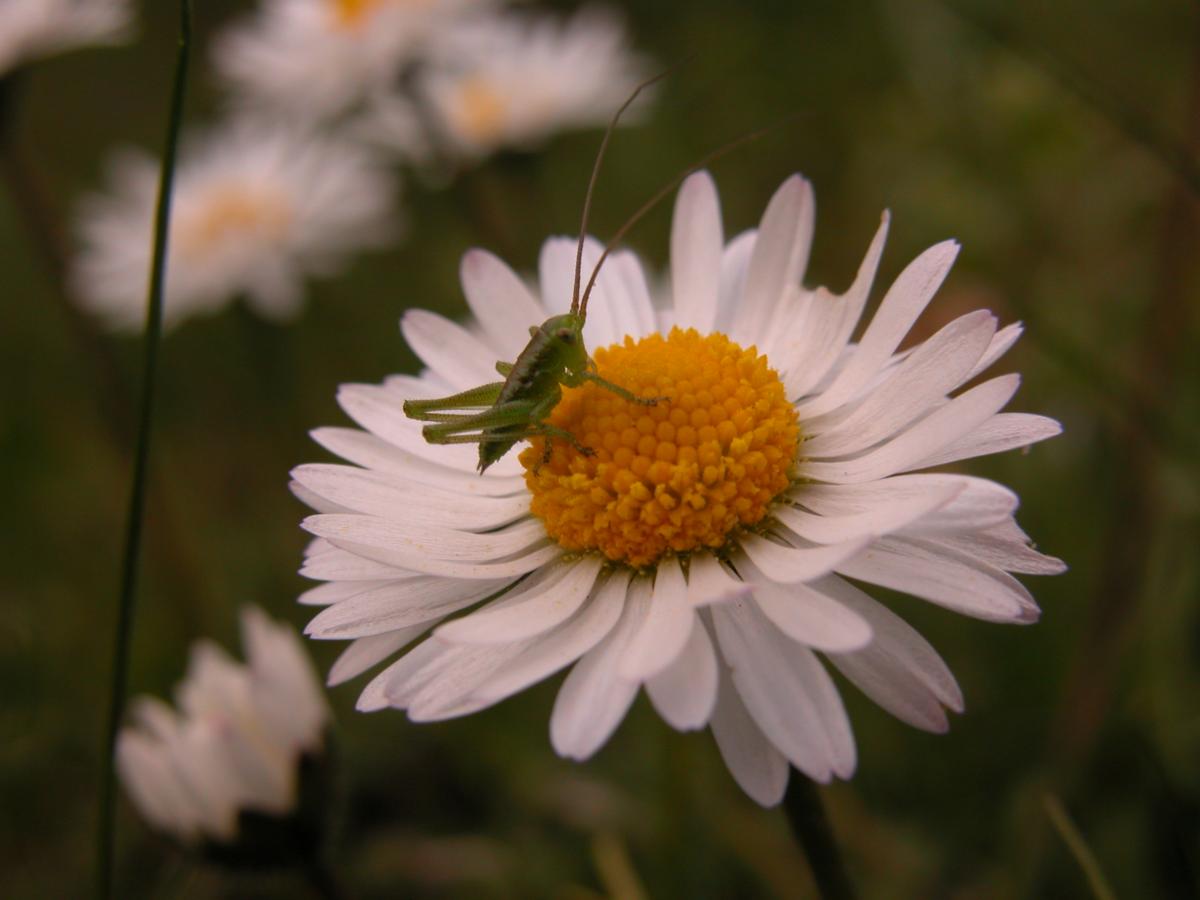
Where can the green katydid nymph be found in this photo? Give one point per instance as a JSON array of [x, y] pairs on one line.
[[517, 408]]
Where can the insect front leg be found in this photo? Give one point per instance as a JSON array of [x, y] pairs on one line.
[[542, 428], [482, 396], [618, 390]]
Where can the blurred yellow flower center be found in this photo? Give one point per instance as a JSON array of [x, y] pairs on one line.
[[234, 211], [674, 477], [353, 13], [481, 110]]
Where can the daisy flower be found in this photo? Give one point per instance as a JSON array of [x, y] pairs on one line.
[[315, 58], [30, 29], [237, 742], [256, 209], [717, 548], [514, 80]]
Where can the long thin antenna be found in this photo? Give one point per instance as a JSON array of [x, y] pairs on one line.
[[657, 198], [587, 201]]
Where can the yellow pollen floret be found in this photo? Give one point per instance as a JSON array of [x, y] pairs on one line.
[[678, 476]]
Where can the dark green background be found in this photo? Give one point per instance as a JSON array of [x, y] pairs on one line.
[[1045, 152]]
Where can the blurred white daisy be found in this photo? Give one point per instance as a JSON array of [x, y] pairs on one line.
[[713, 544], [257, 208], [30, 29], [513, 80], [236, 742], [314, 58]]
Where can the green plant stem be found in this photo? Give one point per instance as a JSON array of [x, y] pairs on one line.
[[806, 816], [137, 497], [1061, 820]]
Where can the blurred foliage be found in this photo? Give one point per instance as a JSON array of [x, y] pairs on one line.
[[1066, 222]]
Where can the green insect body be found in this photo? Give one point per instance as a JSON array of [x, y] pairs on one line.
[[517, 408]]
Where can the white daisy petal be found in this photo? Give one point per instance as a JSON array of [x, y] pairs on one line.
[[685, 692], [449, 349], [780, 252], [450, 693], [984, 504], [931, 371], [623, 296], [1002, 545], [790, 565], [757, 766], [924, 441], [564, 645], [374, 696], [327, 562], [419, 537], [899, 670], [557, 267], [384, 495], [315, 501], [832, 712], [534, 612], [378, 411], [735, 261], [399, 604], [809, 352], [627, 268], [664, 633], [373, 452], [710, 582], [1002, 341], [811, 618], [944, 576], [335, 591], [883, 518], [500, 301], [1003, 431], [904, 301], [696, 245], [363, 653], [518, 564], [556, 273], [777, 693], [594, 698]]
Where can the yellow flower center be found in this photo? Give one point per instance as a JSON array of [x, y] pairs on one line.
[[353, 14], [673, 477], [481, 110], [233, 211]]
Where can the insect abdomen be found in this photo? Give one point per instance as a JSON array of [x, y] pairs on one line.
[[530, 375]]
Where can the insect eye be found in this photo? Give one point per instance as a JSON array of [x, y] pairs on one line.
[[565, 334]]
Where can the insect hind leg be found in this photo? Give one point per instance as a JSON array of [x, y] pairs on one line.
[[483, 396], [504, 415]]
